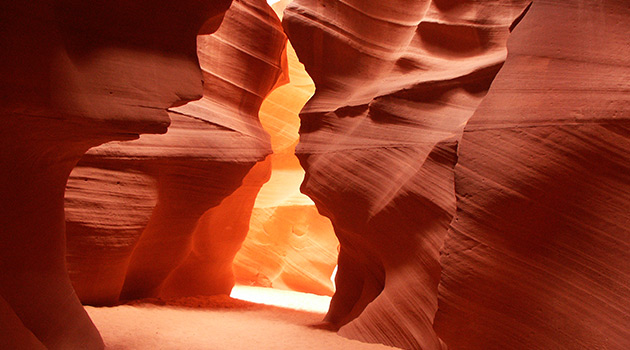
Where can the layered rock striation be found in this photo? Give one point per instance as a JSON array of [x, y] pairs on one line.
[[76, 75], [289, 245], [538, 254], [165, 183], [396, 82], [471, 212]]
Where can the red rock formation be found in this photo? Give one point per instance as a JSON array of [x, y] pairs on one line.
[[186, 189], [396, 82], [218, 235], [76, 74], [106, 212], [538, 255], [289, 245], [210, 146], [14, 334]]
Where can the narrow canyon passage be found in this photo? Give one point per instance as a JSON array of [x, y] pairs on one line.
[[194, 174], [289, 249], [289, 245], [285, 263]]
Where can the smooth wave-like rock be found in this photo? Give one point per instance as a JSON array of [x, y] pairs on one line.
[[289, 245], [15, 335], [73, 75], [396, 82], [217, 237], [504, 230], [209, 148], [538, 254]]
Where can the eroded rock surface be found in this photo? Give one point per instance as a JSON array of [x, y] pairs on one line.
[[538, 254], [77, 74], [289, 245], [217, 237], [210, 146], [396, 82], [522, 245]]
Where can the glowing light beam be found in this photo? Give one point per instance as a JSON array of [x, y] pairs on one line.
[[282, 298]]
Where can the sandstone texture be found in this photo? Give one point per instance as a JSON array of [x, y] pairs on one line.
[[538, 254], [165, 183], [396, 82], [217, 237], [289, 245], [74, 75], [471, 158]]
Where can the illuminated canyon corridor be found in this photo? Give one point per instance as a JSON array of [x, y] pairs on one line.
[[315, 174]]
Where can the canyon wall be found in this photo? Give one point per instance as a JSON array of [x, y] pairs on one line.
[[76, 75], [471, 212], [396, 82], [538, 256], [289, 245], [134, 208]]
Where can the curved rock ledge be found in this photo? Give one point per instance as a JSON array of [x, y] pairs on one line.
[[396, 82], [78, 74], [173, 179]]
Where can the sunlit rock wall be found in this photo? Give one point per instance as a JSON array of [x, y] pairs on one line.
[[133, 207], [396, 82], [73, 75], [524, 245], [217, 237], [289, 245], [538, 256]]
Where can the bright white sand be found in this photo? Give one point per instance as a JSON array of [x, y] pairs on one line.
[[217, 323]]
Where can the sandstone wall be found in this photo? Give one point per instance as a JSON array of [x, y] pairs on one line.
[[471, 212], [529, 239], [396, 82], [125, 242], [289, 245], [537, 256], [74, 75]]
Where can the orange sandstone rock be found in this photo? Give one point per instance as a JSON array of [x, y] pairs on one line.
[[396, 82], [74, 75], [538, 254], [211, 145], [218, 235], [289, 245]]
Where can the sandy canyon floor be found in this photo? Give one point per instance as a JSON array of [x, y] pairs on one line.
[[218, 323]]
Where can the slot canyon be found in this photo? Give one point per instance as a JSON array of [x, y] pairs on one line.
[[395, 174]]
